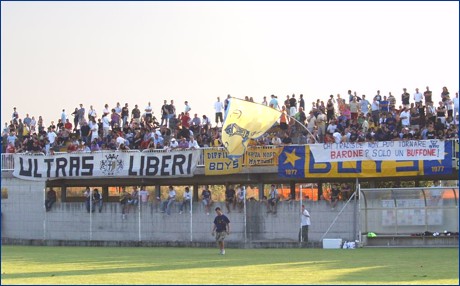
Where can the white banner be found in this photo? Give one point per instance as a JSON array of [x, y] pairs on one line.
[[106, 164], [379, 151]]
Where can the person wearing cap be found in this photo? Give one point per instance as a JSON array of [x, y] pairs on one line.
[[173, 144]]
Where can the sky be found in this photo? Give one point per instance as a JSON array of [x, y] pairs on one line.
[[56, 55]]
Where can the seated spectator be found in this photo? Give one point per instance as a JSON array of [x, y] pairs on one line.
[[230, 198], [183, 144], [206, 199], [166, 204], [240, 197], [273, 199], [97, 198], [187, 199]]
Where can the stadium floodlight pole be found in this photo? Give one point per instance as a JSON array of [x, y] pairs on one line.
[[139, 212], [44, 219], [300, 199], [245, 221], [191, 214], [358, 186], [90, 214]]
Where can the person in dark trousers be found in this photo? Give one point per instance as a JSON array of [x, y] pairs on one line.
[[50, 199], [221, 229], [305, 223]]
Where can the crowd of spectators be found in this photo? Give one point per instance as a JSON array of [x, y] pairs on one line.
[[350, 119]]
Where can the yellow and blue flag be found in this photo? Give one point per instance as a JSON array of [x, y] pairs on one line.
[[245, 120], [291, 162]]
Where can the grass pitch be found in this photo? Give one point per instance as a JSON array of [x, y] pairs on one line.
[[120, 265]]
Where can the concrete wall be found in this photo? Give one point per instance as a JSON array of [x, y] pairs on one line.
[[24, 217]]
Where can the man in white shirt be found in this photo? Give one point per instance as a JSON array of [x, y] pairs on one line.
[[186, 201], [404, 116], [418, 96], [105, 125], [148, 112], [144, 195], [455, 100], [193, 144], [169, 201], [219, 107], [305, 223]]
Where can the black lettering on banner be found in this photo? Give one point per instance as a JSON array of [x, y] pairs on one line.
[[165, 165], [61, 163], [151, 165], [48, 167], [36, 174], [87, 166], [189, 163], [74, 164], [22, 171], [178, 161], [131, 163]]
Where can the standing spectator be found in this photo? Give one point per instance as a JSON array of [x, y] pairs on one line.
[[227, 102], [187, 200], [455, 100], [148, 112], [240, 197], [405, 98], [221, 229], [136, 114], [144, 195], [63, 118], [330, 111], [92, 113], [166, 204], [164, 113], [391, 101], [418, 96], [335, 191], [274, 102], [219, 107], [206, 199], [321, 124], [81, 114], [428, 95], [301, 102], [97, 198], [305, 223], [445, 95], [125, 114], [375, 110], [27, 119], [15, 116], [187, 107], [230, 198], [292, 105], [124, 197], [75, 118], [88, 199], [264, 102], [50, 199], [273, 198], [378, 97], [384, 106]]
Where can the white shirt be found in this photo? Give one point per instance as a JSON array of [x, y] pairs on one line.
[[337, 137], [94, 132], [305, 218], [172, 195], [52, 136], [405, 121], [148, 109], [187, 196], [105, 122], [193, 144], [218, 106], [418, 97], [144, 195]]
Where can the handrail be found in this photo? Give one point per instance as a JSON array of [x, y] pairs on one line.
[[7, 160]]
